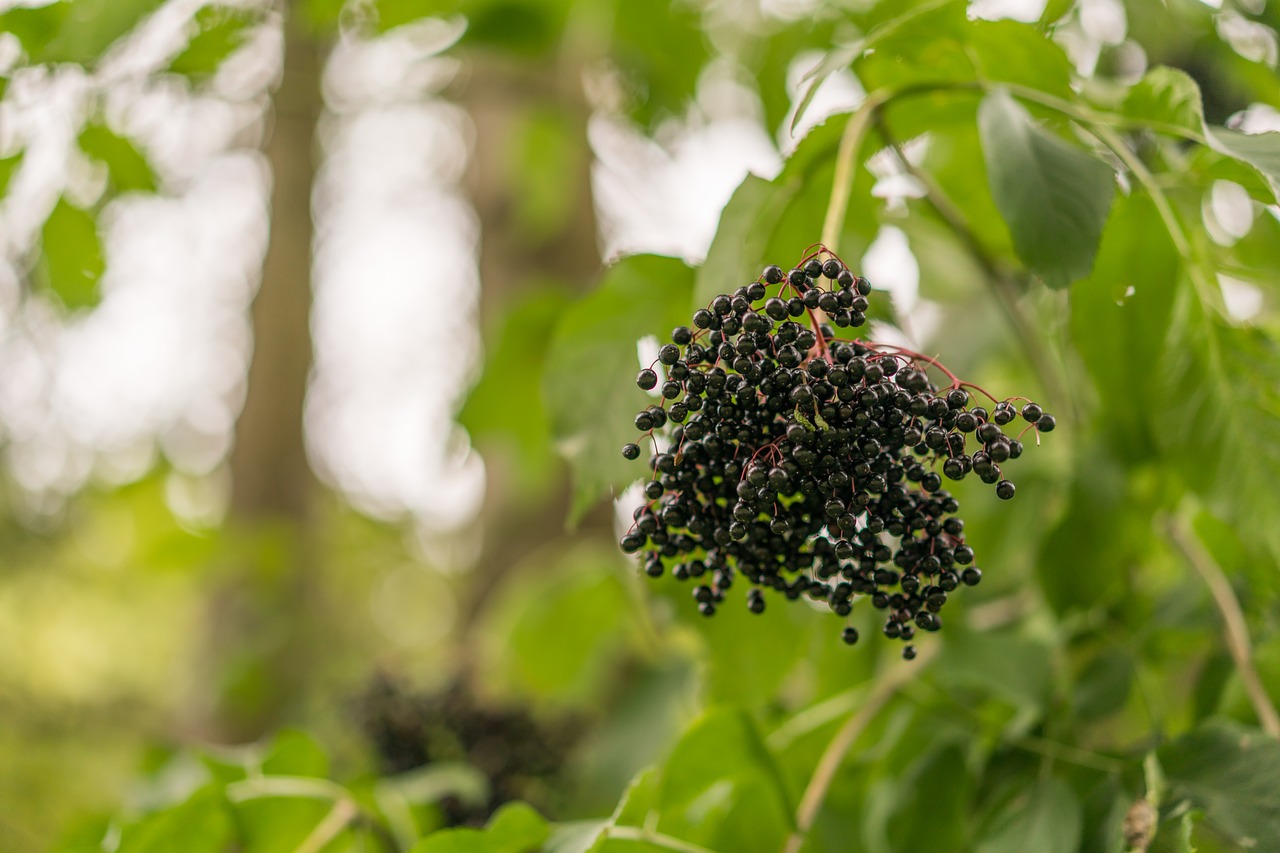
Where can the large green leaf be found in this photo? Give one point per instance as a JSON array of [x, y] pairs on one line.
[[1120, 320], [1232, 773], [126, 165], [220, 30], [515, 828], [71, 256], [589, 381], [721, 788], [1054, 197], [1045, 819], [1166, 97]]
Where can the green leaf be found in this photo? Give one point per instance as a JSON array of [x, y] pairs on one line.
[[514, 828], [660, 48], [505, 413], [638, 800], [721, 788], [1045, 819], [71, 256], [127, 167], [1166, 96], [937, 43], [1054, 197], [1121, 317], [775, 221], [939, 785], [78, 32], [1103, 686], [220, 31], [589, 381], [1220, 417], [8, 168], [1009, 667], [202, 824], [1232, 773], [295, 753], [35, 27], [555, 636], [1259, 150]]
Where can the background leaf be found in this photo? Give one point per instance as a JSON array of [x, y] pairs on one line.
[[589, 383], [126, 165], [1054, 197], [1233, 774], [71, 256]]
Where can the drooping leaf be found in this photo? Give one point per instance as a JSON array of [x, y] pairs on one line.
[[589, 382], [1121, 317], [1054, 197], [1232, 774], [220, 31], [1046, 819], [722, 789], [1166, 96], [71, 261], [514, 828], [126, 165]]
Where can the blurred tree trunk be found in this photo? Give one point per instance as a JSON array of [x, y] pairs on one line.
[[499, 94], [261, 618]]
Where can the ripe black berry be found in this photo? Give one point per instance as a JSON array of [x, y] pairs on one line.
[[811, 466]]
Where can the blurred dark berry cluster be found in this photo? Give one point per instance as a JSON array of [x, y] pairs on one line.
[[522, 758], [807, 465]]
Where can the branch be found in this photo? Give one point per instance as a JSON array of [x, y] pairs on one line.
[[846, 154], [343, 812], [824, 774], [1235, 628]]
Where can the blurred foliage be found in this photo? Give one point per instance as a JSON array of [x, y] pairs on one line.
[[1062, 213]]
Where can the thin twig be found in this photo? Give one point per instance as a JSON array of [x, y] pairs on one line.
[[343, 812], [824, 774], [657, 839], [1235, 629], [846, 155]]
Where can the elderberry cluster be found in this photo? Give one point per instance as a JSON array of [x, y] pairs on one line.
[[807, 464]]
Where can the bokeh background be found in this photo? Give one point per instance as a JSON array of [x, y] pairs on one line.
[[275, 282]]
